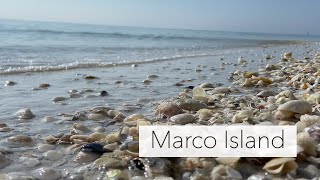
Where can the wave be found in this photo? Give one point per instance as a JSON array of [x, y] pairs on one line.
[[79, 65], [226, 37]]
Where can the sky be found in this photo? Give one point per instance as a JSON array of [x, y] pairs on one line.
[[270, 16]]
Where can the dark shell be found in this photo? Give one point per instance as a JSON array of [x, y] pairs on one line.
[[314, 132], [103, 93], [94, 148]]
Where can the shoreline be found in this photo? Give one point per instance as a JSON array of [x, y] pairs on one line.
[[85, 116]]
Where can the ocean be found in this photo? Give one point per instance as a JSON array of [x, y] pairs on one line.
[[28, 46]]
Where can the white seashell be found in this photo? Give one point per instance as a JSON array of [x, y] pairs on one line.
[[183, 118], [24, 114], [99, 129], [49, 119], [81, 127], [228, 161], [280, 165], [82, 157], [53, 155], [96, 117], [310, 119], [286, 94], [112, 146], [198, 92], [241, 116], [134, 117], [45, 147], [46, 173], [97, 136], [306, 142]]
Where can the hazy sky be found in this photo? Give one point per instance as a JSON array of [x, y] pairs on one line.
[[275, 16]]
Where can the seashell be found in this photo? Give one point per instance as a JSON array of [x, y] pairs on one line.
[[44, 85], [310, 119], [4, 161], [241, 116], [151, 167], [49, 119], [59, 98], [287, 55], [24, 114], [280, 165], [314, 98], [306, 142], [272, 107], [247, 83], [146, 81], [224, 172], [45, 147], [96, 117], [220, 90], [81, 127], [99, 129], [134, 117], [94, 148], [286, 94], [74, 95], [103, 93], [152, 76], [9, 83], [314, 132], [105, 162], [301, 126], [284, 115], [248, 74], [80, 137], [265, 93], [288, 109], [241, 60], [51, 140], [97, 136], [182, 118], [46, 173], [113, 137], [168, 109], [111, 147], [53, 155], [90, 77], [228, 161], [191, 105], [206, 85], [19, 141], [204, 114]]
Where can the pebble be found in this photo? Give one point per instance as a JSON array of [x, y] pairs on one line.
[[4, 161], [44, 85], [183, 118], [46, 173], [24, 114], [53, 155], [99, 129], [19, 141], [49, 119], [59, 98], [74, 95], [103, 93], [45, 147], [9, 83]]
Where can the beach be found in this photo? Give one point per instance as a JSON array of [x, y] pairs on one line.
[[79, 119]]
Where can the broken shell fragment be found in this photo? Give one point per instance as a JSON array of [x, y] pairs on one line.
[[280, 165]]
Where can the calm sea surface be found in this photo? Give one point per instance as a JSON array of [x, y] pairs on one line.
[[43, 46]]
